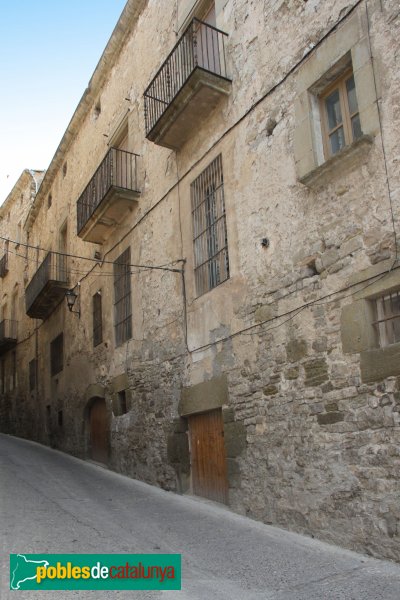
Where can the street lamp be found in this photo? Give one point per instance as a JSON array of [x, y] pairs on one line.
[[71, 297]]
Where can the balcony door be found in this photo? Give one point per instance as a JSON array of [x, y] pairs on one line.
[[207, 43], [122, 162]]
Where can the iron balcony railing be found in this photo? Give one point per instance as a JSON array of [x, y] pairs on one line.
[[8, 330], [201, 46], [4, 265], [52, 269], [118, 169]]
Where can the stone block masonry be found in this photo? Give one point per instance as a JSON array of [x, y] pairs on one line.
[[284, 349]]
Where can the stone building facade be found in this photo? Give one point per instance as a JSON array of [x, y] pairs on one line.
[[16, 404], [224, 207]]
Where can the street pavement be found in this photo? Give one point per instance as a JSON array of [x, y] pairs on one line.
[[53, 503]]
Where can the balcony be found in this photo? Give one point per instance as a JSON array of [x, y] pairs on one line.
[[4, 265], [187, 87], [109, 195], [8, 335], [47, 287]]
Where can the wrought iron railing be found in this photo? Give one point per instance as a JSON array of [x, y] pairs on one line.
[[117, 169], [8, 330], [4, 265], [53, 268], [201, 45]]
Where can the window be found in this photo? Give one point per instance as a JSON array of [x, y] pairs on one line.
[[3, 375], [336, 105], [122, 298], [14, 370], [340, 115], [65, 169], [57, 354], [122, 405], [97, 320], [18, 237], [387, 318], [210, 241], [32, 375], [49, 200]]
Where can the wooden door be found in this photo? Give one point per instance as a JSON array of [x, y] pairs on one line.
[[209, 476], [99, 431]]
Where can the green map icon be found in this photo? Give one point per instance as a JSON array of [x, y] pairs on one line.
[[23, 569]]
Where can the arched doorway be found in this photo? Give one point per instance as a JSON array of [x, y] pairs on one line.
[[99, 430]]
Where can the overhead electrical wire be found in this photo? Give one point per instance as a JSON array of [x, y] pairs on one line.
[[291, 313]]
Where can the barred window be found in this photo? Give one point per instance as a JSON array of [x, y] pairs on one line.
[[97, 320], [122, 298], [57, 355], [32, 375], [387, 318], [210, 240]]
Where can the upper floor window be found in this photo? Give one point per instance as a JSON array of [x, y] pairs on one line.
[[387, 318], [210, 240], [32, 375], [122, 298], [97, 320], [340, 115], [57, 355]]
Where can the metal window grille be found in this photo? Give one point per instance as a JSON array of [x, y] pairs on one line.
[[387, 318], [32, 375], [122, 298], [97, 320], [209, 228], [57, 354]]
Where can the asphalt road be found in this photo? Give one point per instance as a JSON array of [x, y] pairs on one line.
[[53, 503]]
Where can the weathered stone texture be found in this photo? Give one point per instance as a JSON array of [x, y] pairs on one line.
[[310, 404]]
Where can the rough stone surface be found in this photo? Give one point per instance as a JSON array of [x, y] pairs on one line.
[[292, 462]]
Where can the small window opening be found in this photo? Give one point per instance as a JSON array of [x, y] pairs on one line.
[[122, 405]]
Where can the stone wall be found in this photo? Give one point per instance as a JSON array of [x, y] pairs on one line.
[[311, 442]]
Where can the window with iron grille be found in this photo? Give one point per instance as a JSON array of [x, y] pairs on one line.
[[32, 375], [387, 318], [210, 240], [57, 354], [97, 320], [122, 298]]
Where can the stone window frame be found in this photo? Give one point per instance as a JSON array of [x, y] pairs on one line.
[[120, 387], [359, 334], [346, 48], [189, 9]]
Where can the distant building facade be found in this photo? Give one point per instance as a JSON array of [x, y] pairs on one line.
[[222, 211]]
